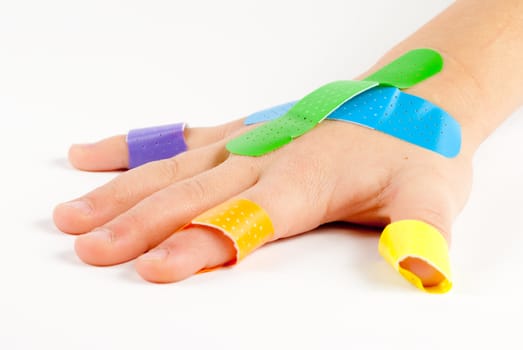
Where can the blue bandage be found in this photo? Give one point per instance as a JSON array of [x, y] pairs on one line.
[[389, 110]]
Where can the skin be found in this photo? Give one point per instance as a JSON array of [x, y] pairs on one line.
[[381, 180]]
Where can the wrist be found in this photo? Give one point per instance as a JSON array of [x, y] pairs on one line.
[[462, 95], [481, 79]]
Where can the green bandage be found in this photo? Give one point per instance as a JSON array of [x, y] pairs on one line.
[[304, 116], [406, 71]]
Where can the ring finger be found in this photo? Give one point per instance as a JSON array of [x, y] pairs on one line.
[[112, 153]]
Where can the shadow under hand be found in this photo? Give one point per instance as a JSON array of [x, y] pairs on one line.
[[47, 225], [364, 256], [61, 163]]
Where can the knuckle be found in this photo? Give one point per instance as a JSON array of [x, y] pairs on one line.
[[194, 190], [220, 132], [245, 166], [120, 194], [228, 129], [130, 224], [169, 169], [432, 215], [308, 173], [306, 179], [134, 220]]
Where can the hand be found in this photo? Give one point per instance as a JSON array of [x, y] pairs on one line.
[[336, 172]]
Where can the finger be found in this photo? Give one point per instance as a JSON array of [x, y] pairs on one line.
[[154, 218], [421, 220], [184, 254], [187, 252], [106, 202], [108, 154], [112, 153]]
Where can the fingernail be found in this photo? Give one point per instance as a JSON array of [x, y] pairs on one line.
[[100, 234], [80, 206], [155, 254]]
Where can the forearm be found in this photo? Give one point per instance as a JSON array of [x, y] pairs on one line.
[[481, 42]]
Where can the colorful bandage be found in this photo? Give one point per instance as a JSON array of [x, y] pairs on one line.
[[409, 69], [407, 117], [415, 239], [389, 110], [246, 224], [155, 143]]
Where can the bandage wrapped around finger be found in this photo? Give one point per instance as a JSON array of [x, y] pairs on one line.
[[155, 143], [248, 226], [244, 222], [414, 239]]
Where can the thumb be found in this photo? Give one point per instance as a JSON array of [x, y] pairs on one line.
[[416, 241]]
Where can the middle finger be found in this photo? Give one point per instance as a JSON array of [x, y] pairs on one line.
[[156, 217]]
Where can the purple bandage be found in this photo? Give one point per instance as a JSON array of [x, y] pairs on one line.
[[155, 143]]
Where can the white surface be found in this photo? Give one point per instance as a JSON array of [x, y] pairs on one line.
[[74, 71]]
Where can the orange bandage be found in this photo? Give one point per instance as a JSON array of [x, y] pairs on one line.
[[243, 221]]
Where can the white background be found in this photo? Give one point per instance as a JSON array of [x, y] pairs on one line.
[[76, 71]]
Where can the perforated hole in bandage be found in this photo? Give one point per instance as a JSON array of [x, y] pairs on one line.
[[295, 119]]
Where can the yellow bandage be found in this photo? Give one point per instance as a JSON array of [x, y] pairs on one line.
[[243, 221], [415, 239]]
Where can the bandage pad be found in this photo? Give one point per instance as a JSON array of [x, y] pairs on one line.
[[244, 222], [155, 143], [406, 71], [301, 118], [416, 239]]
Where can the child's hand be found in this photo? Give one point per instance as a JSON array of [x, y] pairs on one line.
[[336, 172]]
